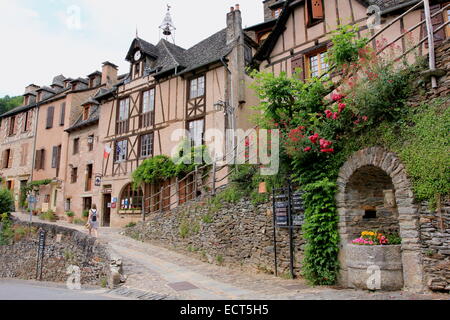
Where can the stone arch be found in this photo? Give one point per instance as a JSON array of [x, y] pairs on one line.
[[389, 169]]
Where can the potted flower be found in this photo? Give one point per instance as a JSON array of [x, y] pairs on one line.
[[85, 214], [70, 216], [374, 261]]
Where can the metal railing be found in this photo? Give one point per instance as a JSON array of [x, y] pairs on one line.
[[205, 177], [204, 180]]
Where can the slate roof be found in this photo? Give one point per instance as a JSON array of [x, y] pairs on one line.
[[18, 110], [93, 118], [169, 56]]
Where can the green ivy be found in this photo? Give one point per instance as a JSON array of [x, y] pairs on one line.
[[346, 45], [321, 264], [6, 201], [154, 170]]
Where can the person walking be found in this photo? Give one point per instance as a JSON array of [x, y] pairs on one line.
[[93, 220]]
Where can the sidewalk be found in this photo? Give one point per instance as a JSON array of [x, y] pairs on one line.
[[150, 268]]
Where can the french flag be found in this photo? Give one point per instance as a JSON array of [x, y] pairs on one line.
[[107, 152]]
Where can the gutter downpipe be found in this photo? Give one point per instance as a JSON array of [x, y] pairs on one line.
[[229, 105]]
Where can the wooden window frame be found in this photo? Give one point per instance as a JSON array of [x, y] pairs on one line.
[[152, 145], [50, 117], [307, 62], [147, 119], [74, 175], [62, 114], [136, 197], [116, 154], [204, 129], [89, 177], [122, 125], [196, 78], [76, 146], [12, 126]]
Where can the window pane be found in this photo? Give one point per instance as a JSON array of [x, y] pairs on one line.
[[201, 86], [193, 93], [123, 111], [146, 145], [196, 132]]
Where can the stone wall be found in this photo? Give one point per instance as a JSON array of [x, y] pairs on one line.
[[238, 234], [435, 240], [64, 247]]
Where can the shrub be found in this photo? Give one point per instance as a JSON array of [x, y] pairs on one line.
[[184, 229], [131, 225], [85, 213], [48, 216], [70, 214], [346, 45], [6, 201], [79, 222], [207, 218]]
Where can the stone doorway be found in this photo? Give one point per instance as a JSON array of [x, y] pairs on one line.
[[374, 193]]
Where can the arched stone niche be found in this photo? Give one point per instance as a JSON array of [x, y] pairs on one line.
[[374, 193]]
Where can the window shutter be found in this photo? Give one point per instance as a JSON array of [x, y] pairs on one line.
[[37, 160], [297, 62], [4, 159], [63, 114], [54, 156], [11, 158], [317, 9], [436, 21], [28, 120], [50, 114]]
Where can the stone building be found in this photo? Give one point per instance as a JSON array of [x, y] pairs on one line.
[[17, 133], [170, 88], [68, 101]]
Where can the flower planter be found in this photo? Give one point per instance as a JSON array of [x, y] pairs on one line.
[[361, 273]]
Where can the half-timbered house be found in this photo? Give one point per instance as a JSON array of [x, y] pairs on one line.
[[300, 38], [170, 88]]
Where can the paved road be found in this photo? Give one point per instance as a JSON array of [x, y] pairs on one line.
[[30, 290], [150, 267]]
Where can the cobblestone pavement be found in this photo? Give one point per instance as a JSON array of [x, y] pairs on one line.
[[172, 275]]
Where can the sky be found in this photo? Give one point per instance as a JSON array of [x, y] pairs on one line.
[[44, 38]]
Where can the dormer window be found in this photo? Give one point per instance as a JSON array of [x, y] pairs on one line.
[[86, 112], [26, 100]]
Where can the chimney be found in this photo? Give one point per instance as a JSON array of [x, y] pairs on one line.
[[234, 24], [109, 74], [31, 88]]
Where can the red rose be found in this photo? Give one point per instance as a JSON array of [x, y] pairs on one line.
[[327, 150], [314, 138], [342, 107], [307, 149]]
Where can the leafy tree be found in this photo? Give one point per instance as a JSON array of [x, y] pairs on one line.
[[8, 103]]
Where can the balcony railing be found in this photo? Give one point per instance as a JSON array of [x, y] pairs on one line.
[[146, 119], [122, 126]]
